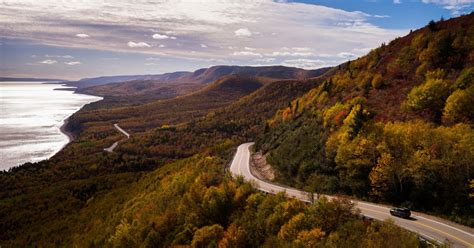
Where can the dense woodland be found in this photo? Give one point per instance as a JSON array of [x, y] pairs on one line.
[[393, 126]]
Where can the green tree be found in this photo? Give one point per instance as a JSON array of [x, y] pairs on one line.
[[123, 236], [430, 95], [465, 80], [389, 235], [290, 230], [377, 81], [438, 49], [381, 175], [207, 236], [309, 238], [355, 119], [459, 106]]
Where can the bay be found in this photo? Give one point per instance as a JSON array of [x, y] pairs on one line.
[[31, 116]]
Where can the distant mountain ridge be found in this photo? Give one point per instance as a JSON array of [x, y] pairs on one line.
[[3, 79], [205, 75], [170, 85], [89, 82], [365, 129]]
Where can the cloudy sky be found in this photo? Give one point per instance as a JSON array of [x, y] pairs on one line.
[[72, 39]]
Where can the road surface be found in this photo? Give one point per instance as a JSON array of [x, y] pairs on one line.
[[426, 226], [114, 145]]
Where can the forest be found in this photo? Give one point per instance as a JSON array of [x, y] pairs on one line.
[[394, 126]]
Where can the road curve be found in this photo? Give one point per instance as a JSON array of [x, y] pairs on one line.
[[425, 226], [114, 145]]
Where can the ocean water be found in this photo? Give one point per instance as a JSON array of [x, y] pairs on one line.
[[31, 115]]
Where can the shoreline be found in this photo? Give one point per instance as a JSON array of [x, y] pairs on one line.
[[61, 127], [68, 134]]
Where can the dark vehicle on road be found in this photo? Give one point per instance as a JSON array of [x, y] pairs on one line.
[[400, 212]]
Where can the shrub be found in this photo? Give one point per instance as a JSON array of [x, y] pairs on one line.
[[464, 80], [459, 106], [431, 94], [207, 236], [377, 81]]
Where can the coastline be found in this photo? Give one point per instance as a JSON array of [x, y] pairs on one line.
[[63, 129], [42, 150], [68, 134]]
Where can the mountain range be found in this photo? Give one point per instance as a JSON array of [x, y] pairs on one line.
[[394, 126]]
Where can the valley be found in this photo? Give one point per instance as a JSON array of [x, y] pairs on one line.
[[163, 160]]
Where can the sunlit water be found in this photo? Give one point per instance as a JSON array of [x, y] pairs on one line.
[[31, 115]]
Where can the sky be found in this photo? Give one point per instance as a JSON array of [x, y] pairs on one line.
[[72, 39]]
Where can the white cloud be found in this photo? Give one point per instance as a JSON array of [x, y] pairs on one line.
[[455, 6], [289, 54], [449, 2], [306, 63], [59, 56], [301, 49], [160, 36], [82, 35], [72, 63], [48, 62], [243, 32], [265, 60], [246, 53], [397, 1], [346, 55], [203, 45], [151, 64], [306, 30], [362, 51], [133, 44], [161, 46]]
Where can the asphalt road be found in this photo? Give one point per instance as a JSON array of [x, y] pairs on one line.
[[114, 145], [121, 130], [429, 227]]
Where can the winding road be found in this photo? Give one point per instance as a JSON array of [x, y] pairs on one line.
[[429, 227], [114, 145]]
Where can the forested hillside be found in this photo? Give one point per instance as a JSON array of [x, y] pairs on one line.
[[370, 128], [393, 126], [135, 90], [150, 84], [42, 199]]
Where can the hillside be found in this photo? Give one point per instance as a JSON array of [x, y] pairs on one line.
[[162, 132], [164, 78], [183, 82], [104, 200], [205, 75], [142, 89], [393, 126], [173, 111], [136, 90], [370, 128]]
